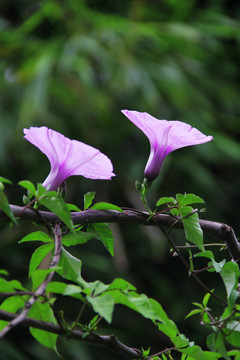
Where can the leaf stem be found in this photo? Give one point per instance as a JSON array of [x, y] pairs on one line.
[[162, 352], [78, 316], [219, 322], [145, 203], [201, 270], [143, 190]]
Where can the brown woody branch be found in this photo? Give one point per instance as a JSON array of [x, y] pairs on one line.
[[41, 289], [219, 230], [109, 341]]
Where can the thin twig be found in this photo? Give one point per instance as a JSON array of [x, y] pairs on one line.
[[58, 318], [185, 263], [41, 289], [78, 316], [162, 352], [201, 270], [196, 247], [214, 323], [28, 206]]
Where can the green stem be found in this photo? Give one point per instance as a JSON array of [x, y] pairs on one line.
[[78, 316], [96, 322], [162, 352], [144, 200], [144, 187]]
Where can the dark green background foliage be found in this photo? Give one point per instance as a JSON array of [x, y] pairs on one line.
[[72, 66]]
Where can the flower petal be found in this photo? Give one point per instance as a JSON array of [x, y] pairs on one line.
[[157, 156], [68, 157], [183, 135], [165, 137]]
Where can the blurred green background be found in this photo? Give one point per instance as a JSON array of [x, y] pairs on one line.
[[72, 66]]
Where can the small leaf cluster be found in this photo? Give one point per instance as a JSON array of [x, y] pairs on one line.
[[4, 204], [180, 208], [225, 327]]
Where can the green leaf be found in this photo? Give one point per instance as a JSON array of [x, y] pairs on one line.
[[28, 185], [147, 307], [138, 185], [4, 180], [206, 299], [4, 205], [188, 199], [37, 236], [93, 288], [104, 234], [166, 200], [41, 191], [39, 254], [39, 275], [198, 305], [76, 238], [211, 339], [42, 311], [215, 342], [70, 266], [73, 207], [193, 312], [235, 353], [17, 285], [26, 200], [179, 340], [174, 212], [206, 318], [12, 304], [58, 207], [92, 322], [65, 289], [192, 229], [207, 254], [5, 286], [88, 199], [218, 265], [121, 284], [3, 272], [230, 274], [103, 305], [146, 352], [196, 353], [233, 336], [98, 287], [106, 206], [10, 286]]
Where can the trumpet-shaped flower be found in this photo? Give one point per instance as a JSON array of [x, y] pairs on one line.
[[165, 137], [68, 157]]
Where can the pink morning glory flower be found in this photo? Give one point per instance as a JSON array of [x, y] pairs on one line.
[[165, 137], [68, 157]]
